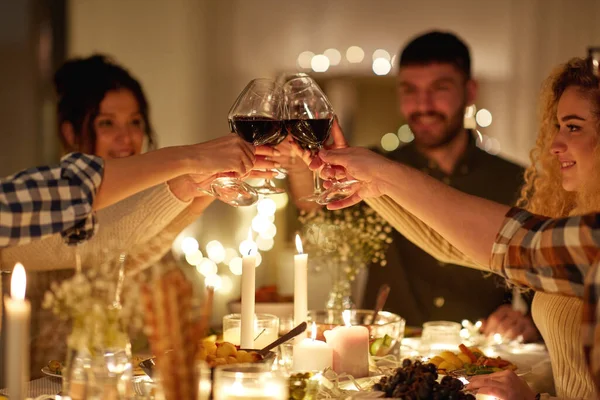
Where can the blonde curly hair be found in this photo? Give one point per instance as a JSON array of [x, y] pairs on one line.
[[542, 192]]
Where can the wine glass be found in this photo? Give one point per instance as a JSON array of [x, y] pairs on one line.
[[308, 118], [256, 116]]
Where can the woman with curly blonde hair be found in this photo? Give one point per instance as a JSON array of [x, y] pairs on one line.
[[461, 229], [544, 192]]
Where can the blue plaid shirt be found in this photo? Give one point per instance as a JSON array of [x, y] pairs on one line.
[[42, 201]]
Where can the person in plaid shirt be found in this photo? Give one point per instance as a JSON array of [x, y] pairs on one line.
[[41, 201], [550, 244]]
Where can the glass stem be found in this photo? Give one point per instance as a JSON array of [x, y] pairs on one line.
[[316, 179]]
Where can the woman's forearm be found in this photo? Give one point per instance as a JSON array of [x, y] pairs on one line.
[[126, 176], [468, 222]]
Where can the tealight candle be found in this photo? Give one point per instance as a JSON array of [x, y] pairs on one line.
[[312, 354], [350, 348], [248, 381], [18, 313]]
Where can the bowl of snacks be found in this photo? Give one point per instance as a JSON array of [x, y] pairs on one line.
[[385, 330], [219, 353]]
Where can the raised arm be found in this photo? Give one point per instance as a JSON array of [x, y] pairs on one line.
[[39, 202]]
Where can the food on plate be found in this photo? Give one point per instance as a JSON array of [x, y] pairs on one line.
[[221, 353], [472, 360], [55, 367], [416, 380]]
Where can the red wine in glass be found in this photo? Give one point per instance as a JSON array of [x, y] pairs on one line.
[[309, 133], [257, 130]]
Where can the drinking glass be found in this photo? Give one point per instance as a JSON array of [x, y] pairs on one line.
[[308, 117], [256, 116]]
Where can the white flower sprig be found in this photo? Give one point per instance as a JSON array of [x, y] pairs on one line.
[[354, 237], [87, 299]]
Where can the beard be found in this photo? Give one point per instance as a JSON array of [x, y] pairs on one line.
[[452, 127]]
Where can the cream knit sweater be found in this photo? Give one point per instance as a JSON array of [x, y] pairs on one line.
[[558, 318], [128, 225]]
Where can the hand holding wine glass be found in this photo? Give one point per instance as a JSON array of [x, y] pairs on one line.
[[256, 116], [309, 119]]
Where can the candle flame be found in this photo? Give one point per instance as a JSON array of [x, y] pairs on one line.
[[18, 282], [299, 244], [313, 334], [250, 235], [346, 315]]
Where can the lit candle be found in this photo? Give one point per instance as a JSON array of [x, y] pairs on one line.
[[248, 290], [312, 354], [350, 348], [18, 312], [300, 287]]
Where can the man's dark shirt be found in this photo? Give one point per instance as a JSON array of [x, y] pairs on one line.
[[423, 289]]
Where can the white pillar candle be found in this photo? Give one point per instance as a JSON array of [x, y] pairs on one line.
[[248, 290], [350, 348], [312, 354], [300, 287], [18, 314]]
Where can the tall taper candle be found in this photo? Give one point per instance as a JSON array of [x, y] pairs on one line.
[[300, 287], [248, 290], [18, 314]]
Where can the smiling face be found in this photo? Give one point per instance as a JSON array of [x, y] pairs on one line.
[[433, 98], [575, 141], [119, 126]]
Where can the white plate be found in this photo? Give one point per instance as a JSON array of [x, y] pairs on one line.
[[46, 371]]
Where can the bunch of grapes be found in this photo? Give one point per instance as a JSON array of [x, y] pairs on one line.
[[416, 381]]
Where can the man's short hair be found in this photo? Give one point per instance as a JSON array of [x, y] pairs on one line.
[[437, 47]]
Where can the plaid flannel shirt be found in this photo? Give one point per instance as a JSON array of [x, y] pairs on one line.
[[556, 256], [41, 201]]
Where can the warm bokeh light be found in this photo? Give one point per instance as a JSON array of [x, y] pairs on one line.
[[226, 284], [270, 232], [281, 200], [405, 134], [215, 281], [230, 254], [189, 245], [194, 258], [390, 141], [381, 66], [334, 56], [355, 54], [319, 63], [260, 223], [266, 207], [264, 244], [215, 251], [483, 118], [207, 267], [305, 58], [235, 266]]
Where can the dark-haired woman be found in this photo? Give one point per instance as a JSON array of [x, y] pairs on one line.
[[102, 110]]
